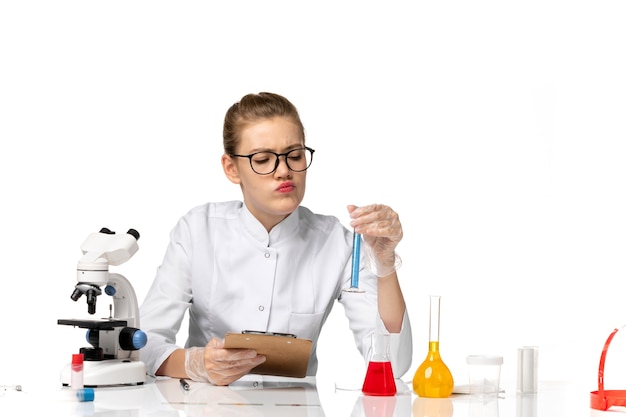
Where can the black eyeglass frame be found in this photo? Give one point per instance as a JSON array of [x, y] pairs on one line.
[[278, 155]]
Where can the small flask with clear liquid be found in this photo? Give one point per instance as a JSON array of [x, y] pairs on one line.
[[379, 378], [432, 378]]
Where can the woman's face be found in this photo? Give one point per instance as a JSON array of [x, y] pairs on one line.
[[272, 197]]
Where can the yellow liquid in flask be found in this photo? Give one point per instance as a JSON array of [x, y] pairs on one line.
[[433, 379]]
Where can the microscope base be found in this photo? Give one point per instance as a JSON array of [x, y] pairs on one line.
[[108, 372]]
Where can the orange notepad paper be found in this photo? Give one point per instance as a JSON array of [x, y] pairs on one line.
[[285, 355]]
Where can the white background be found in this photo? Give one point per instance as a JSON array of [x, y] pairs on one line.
[[495, 129]]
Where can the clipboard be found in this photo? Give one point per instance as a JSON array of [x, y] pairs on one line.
[[286, 355]]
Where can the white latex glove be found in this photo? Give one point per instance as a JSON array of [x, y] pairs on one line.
[[381, 230], [217, 365]]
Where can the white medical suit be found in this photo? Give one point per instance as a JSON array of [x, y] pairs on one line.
[[232, 275]]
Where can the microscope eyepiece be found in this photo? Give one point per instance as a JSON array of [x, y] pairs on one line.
[[133, 233]]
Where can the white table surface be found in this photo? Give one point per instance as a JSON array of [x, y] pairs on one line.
[[271, 396]]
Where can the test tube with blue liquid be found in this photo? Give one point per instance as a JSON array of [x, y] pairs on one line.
[[356, 258]]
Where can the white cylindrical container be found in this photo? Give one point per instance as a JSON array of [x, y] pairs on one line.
[[527, 363]]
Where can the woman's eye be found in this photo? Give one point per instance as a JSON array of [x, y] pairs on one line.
[[296, 155], [261, 160]]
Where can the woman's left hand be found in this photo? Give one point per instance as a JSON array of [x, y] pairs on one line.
[[381, 230]]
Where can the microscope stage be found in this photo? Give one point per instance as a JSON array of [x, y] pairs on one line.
[[104, 324]]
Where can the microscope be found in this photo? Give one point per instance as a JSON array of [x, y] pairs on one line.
[[113, 357]]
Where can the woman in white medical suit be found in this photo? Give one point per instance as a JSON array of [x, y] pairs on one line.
[[267, 263]]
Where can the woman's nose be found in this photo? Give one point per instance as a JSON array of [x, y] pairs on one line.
[[282, 168]]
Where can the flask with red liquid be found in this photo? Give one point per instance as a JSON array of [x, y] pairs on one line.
[[379, 378]]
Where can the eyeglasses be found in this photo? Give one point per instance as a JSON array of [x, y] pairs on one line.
[[266, 162]]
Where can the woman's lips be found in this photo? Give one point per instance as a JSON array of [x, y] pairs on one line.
[[286, 187]]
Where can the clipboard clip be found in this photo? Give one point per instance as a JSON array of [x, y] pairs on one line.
[[268, 333]]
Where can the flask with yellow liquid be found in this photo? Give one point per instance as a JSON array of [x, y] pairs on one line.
[[433, 379]]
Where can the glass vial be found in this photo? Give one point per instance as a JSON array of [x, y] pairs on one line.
[[432, 378], [76, 377], [379, 378]]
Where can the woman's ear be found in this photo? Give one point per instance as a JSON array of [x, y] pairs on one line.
[[230, 169]]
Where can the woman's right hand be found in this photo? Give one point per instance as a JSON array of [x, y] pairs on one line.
[[224, 366]]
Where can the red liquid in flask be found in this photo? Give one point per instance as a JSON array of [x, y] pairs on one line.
[[379, 379]]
